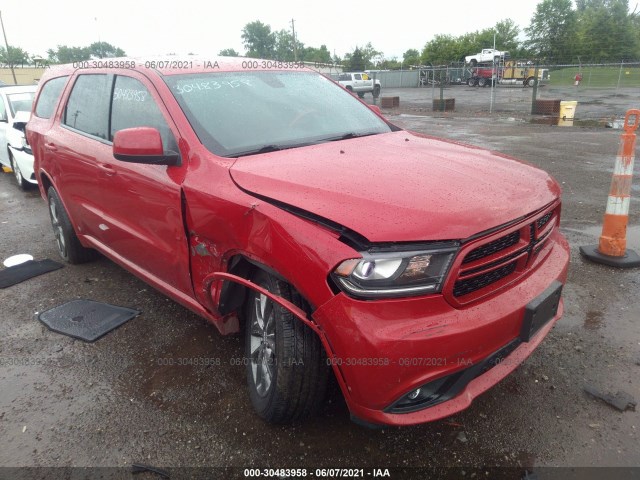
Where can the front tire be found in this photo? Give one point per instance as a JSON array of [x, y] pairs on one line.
[[69, 247], [482, 82], [286, 363], [22, 183], [376, 91], [471, 82]]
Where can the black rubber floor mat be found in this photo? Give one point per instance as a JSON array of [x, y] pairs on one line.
[[86, 319], [19, 273]]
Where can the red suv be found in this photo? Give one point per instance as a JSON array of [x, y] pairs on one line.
[[267, 199]]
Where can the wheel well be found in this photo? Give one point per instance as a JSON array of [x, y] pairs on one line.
[[45, 182], [233, 294]]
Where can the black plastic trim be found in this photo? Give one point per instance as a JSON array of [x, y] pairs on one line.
[[456, 382]]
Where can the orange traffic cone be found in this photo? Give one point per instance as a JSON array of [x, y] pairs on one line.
[[612, 249]]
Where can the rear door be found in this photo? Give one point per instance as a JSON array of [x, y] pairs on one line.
[[42, 118], [141, 213], [357, 82], [74, 146]]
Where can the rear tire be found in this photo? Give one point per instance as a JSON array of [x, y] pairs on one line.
[[361, 94], [69, 247], [482, 82], [376, 91], [471, 82], [286, 363]]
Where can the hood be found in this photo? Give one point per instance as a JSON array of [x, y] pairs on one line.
[[399, 187]]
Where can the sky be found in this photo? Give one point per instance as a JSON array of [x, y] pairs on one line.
[[144, 27]]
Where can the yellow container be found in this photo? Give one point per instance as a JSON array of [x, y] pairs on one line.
[[567, 112]]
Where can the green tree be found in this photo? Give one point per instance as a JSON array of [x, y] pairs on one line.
[[105, 50], [507, 33], [390, 64], [371, 56], [284, 47], [552, 31], [318, 55], [228, 52], [354, 62], [16, 56], [606, 31], [443, 49], [411, 57], [259, 40], [65, 54]]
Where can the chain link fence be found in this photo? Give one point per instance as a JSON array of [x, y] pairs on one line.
[[603, 92]]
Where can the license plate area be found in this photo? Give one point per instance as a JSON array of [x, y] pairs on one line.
[[540, 310]]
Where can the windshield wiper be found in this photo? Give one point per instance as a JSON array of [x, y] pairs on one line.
[[257, 151], [347, 136]]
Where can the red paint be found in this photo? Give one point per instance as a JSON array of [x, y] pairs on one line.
[[178, 227], [137, 141]]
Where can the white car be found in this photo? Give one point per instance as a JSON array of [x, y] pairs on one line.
[[486, 55], [360, 83], [15, 110]]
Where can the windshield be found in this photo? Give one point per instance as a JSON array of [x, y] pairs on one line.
[[240, 113], [20, 102]]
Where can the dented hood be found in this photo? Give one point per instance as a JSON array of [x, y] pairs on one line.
[[399, 186]]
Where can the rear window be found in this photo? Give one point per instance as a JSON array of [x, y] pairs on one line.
[[20, 102], [49, 95], [88, 106]]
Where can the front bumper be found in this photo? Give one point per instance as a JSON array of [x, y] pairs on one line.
[[25, 162], [383, 349]]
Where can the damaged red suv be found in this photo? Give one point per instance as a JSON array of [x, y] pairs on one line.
[[267, 199]]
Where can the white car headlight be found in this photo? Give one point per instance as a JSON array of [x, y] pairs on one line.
[[396, 273]]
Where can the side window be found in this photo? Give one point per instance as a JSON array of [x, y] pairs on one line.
[[3, 111], [357, 76], [344, 77], [88, 106], [49, 95], [133, 106]]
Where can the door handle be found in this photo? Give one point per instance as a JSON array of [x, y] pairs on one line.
[[50, 146], [107, 169]]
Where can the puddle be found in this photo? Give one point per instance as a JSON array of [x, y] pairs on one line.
[[593, 320], [587, 122], [617, 124], [544, 120]]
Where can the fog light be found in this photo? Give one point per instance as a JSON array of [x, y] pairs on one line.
[[413, 395]]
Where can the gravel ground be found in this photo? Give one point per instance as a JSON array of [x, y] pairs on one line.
[[65, 403]]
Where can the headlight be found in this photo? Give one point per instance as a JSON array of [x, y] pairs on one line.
[[24, 145], [392, 273]]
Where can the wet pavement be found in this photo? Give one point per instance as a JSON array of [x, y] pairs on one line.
[[596, 106], [166, 389]]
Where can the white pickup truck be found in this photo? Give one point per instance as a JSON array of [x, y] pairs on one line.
[[360, 83], [486, 55]]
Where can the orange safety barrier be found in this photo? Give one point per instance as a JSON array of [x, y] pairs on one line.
[[612, 248]]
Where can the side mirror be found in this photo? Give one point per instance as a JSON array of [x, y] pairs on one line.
[[142, 145], [375, 108]]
